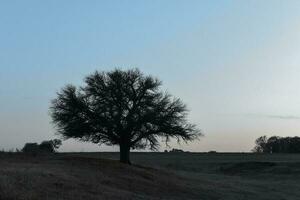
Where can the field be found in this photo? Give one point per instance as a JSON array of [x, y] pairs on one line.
[[224, 176]]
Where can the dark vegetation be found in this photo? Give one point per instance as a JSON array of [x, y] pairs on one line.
[[168, 176], [174, 151], [124, 108], [129, 109], [48, 146], [68, 177], [276, 144]]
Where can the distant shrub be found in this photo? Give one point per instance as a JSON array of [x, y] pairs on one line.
[[176, 150], [48, 146], [30, 148], [56, 143]]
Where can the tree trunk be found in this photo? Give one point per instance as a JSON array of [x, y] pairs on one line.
[[124, 154]]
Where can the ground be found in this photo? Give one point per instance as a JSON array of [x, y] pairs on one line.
[[207, 176]]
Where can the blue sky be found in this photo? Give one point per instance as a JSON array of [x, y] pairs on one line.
[[236, 64]]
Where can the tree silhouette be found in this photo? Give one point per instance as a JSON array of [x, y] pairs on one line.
[[47, 146], [276, 144], [124, 108], [260, 144]]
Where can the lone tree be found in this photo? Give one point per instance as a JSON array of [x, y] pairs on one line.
[[124, 108]]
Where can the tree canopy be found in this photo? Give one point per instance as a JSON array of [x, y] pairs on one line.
[[276, 144], [47, 146], [124, 108]]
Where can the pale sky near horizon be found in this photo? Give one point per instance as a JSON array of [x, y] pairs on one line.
[[236, 64]]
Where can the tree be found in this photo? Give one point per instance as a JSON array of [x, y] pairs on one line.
[[49, 146], [260, 144], [276, 144], [124, 108], [56, 143], [30, 148], [273, 145]]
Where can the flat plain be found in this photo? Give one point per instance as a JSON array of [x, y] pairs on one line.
[[207, 176]]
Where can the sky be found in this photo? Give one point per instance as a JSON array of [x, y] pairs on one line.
[[236, 64]]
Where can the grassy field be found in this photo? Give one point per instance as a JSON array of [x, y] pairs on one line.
[[204, 176]]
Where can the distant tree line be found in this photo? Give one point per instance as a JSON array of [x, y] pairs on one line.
[[48, 146], [174, 151], [276, 144]]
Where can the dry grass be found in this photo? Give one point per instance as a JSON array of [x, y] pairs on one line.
[[186, 176], [228, 176], [66, 177]]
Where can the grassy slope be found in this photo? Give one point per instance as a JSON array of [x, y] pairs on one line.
[[72, 177], [229, 176], [173, 176]]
